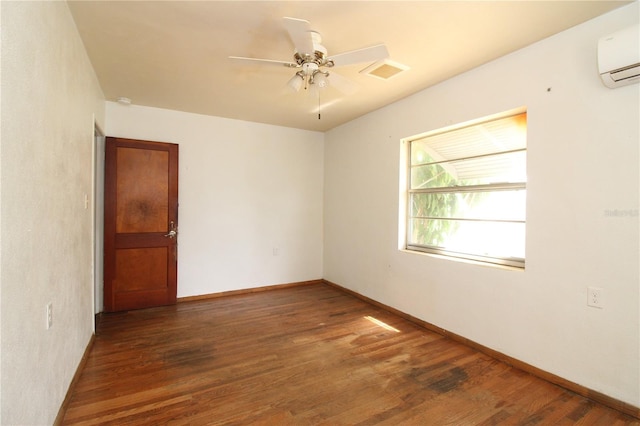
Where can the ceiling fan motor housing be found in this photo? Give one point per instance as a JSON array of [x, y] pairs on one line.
[[311, 61]]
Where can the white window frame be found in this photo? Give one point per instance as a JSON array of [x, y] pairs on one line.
[[491, 187]]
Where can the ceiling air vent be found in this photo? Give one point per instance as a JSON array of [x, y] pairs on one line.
[[384, 69]]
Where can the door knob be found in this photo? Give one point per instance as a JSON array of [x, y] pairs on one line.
[[172, 230]]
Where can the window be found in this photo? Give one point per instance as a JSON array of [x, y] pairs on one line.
[[467, 191]]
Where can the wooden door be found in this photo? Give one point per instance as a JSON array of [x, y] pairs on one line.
[[140, 224]]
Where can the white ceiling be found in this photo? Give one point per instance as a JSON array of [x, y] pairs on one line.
[[174, 54]]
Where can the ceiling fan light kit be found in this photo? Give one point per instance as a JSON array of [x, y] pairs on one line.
[[295, 83], [311, 58], [321, 79]]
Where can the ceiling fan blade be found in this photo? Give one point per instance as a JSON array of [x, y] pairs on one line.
[[300, 32], [342, 84], [366, 54], [287, 64]]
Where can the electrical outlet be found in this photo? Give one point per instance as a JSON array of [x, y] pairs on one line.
[[49, 315], [594, 297]]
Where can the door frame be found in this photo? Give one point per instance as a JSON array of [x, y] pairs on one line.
[[97, 206]]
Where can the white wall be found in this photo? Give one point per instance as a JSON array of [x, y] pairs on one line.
[[49, 97], [583, 141], [248, 188], [245, 189]]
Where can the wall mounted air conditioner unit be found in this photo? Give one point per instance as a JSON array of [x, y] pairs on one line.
[[619, 57]]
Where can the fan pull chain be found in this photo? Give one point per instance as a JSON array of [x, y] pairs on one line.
[[318, 105]]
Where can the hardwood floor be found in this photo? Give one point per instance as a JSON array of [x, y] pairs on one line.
[[305, 355]]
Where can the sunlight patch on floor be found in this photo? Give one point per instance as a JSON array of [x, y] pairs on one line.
[[381, 324]]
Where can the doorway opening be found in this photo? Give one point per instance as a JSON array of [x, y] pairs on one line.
[[98, 221]]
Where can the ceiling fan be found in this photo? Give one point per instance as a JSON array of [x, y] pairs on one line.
[[312, 60]]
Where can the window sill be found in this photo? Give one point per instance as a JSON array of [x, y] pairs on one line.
[[463, 260]]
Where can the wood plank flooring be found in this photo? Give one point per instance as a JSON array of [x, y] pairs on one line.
[[309, 355]]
